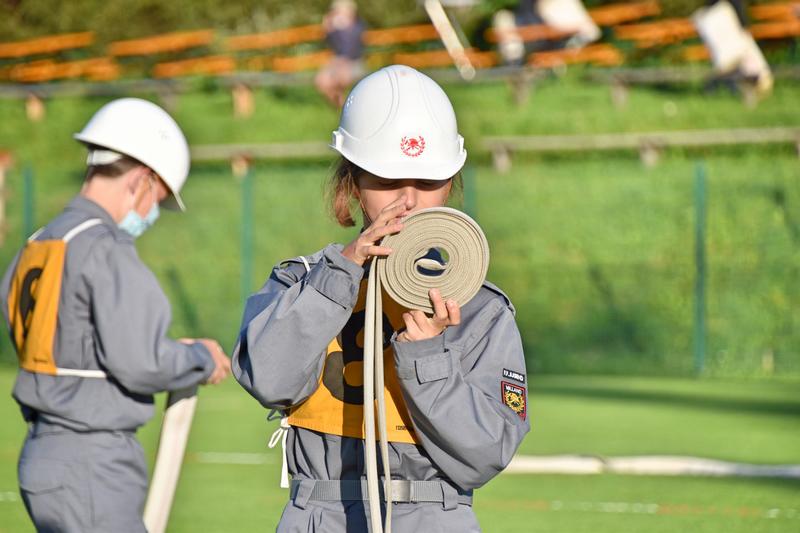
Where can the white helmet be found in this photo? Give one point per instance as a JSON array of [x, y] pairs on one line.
[[141, 130], [398, 123]]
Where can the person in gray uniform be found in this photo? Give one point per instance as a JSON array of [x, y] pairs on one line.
[[455, 381], [89, 322]]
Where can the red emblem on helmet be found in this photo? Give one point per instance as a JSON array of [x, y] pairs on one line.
[[412, 146]]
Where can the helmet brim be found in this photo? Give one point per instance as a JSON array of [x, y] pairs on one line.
[[173, 202]]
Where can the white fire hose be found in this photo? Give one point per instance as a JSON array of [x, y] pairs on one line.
[[175, 428], [407, 275]]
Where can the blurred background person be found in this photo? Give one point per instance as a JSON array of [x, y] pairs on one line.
[[509, 42], [343, 33]]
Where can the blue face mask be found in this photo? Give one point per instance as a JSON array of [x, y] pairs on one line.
[[135, 225]]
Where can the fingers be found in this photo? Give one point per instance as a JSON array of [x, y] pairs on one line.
[[420, 326], [414, 329], [453, 312], [222, 364], [445, 313], [364, 246], [377, 233], [439, 308], [391, 211], [369, 251]]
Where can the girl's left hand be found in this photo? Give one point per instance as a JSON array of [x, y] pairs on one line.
[[420, 326]]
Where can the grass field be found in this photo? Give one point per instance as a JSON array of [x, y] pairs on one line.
[[745, 421]]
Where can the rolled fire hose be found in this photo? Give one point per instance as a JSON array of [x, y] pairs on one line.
[[407, 275]]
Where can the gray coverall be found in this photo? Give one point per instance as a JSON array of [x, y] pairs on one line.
[[452, 385], [81, 468]]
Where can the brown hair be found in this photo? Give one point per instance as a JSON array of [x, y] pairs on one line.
[[343, 184], [341, 191]]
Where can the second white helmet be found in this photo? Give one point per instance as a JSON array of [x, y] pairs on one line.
[[142, 130], [397, 123]]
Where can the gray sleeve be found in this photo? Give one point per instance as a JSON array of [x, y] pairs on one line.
[[287, 327], [457, 409], [131, 315]]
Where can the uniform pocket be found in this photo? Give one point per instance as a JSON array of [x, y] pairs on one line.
[[41, 484], [434, 367]]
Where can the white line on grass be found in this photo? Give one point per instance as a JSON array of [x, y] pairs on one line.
[[663, 509], [647, 465], [8, 497], [654, 465]]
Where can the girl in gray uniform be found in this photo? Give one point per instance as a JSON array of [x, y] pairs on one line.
[[455, 381]]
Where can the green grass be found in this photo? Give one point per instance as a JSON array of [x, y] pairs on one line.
[[740, 420]]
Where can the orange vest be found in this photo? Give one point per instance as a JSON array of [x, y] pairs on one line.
[[34, 297], [336, 407]]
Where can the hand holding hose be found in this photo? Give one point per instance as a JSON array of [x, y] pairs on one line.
[[420, 326], [388, 222]]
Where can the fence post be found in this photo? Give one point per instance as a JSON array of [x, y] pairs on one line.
[[700, 268], [470, 195], [242, 170], [5, 163], [28, 215]]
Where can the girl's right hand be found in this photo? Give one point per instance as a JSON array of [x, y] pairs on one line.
[[388, 222]]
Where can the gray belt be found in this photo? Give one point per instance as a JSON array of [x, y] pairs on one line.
[[403, 491], [39, 427]]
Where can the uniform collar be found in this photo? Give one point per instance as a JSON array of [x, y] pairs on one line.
[[93, 210]]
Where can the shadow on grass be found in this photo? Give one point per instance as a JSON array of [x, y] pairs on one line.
[[730, 404]]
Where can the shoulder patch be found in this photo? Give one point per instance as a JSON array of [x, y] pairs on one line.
[[514, 396], [511, 374]]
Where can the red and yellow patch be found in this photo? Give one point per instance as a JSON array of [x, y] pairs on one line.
[[514, 397]]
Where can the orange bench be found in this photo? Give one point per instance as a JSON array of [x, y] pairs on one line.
[[95, 69], [782, 29], [782, 11], [441, 58], [604, 55], [208, 65], [414, 34], [157, 44], [614, 14], [274, 39], [375, 38], [46, 45], [311, 33], [400, 35], [297, 63], [663, 32], [171, 43], [533, 32], [383, 43]]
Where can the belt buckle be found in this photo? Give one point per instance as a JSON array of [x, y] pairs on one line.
[[401, 490]]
